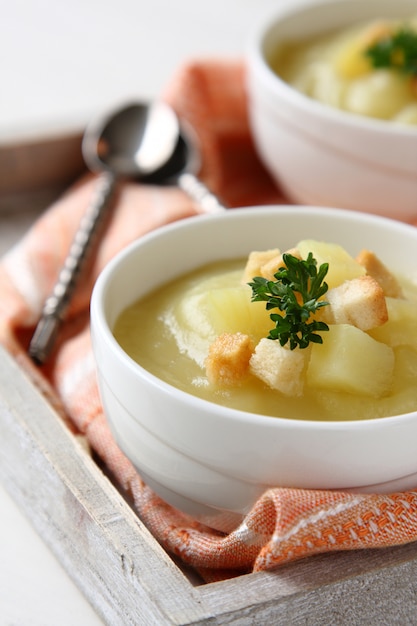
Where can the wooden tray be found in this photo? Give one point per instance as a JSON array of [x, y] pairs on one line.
[[121, 569], [126, 575], [39, 166]]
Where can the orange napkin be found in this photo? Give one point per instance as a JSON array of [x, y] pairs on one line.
[[285, 524]]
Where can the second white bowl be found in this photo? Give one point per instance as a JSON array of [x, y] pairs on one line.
[[318, 154]]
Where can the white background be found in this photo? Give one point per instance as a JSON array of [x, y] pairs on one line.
[[61, 61]]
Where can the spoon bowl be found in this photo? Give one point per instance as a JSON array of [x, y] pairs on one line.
[[135, 142]]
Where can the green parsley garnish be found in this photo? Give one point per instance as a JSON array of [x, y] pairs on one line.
[[399, 51], [296, 293]]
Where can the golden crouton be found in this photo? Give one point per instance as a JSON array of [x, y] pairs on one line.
[[376, 31], [375, 268], [279, 367], [359, 302], [256, 260], [269, 269], [227, 362]]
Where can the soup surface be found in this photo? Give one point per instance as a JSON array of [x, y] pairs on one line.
[[336, 69], [353, 374]]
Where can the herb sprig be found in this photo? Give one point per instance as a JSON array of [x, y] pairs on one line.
[[398, 51], [296, 293]]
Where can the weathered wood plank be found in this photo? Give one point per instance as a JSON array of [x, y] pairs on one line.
[[128, 577], [102, 544], [31, 166], [350, 588]]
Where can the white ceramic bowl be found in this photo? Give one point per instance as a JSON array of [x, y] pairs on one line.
[[319, 154], [205, 458]]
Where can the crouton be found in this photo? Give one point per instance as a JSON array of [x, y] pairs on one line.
[[269, 269], [359, 302], [375, 268], [279, 367], [228, 358], [256, 260]]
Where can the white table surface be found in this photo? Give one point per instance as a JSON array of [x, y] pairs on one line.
[[62, 61]]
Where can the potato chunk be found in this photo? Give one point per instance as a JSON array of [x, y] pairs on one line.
[[380, 94], [341, 265], [408, 114], [401, 328], [351, 361], [279, 367], [351, 61], [227, 362], [230, 309]]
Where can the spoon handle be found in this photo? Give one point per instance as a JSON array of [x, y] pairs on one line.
[[56, 305], [196, 190]]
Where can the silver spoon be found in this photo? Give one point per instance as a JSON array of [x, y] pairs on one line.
[[140, 141]]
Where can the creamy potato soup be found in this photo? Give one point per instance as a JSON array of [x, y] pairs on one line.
[[368, 69], [203, 334]]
